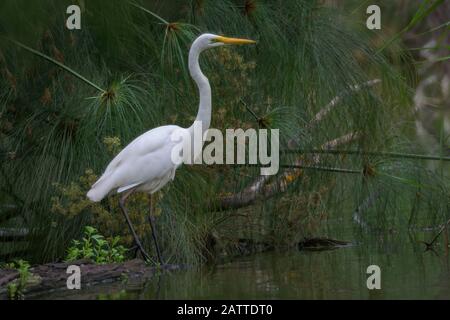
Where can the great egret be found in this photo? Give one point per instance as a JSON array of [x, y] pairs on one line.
[[145, 165]]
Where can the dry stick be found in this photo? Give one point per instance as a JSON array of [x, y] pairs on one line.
[[290, 175], [249, 195], [333, 103], [326, 110]]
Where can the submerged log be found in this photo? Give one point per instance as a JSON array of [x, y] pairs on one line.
[[318, 244], [53, 276]]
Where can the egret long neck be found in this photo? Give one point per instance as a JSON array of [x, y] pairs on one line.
[[204, 109]]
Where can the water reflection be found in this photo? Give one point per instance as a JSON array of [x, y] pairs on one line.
[[407, 272]]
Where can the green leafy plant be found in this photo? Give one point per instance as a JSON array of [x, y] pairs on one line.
[[70, 203], [16, 288], [95, 247]]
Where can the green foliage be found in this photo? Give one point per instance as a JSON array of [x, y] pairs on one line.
[[70, 203], [17, 287], [58, 131], [95, 247]]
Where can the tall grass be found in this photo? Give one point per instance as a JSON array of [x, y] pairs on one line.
[[124, 72]]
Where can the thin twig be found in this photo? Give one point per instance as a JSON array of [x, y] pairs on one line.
[[150, 12], [249, 110], [330, 169], [429, 245], [370, 153], [59, 64]]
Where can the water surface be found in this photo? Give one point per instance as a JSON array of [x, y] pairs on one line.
[[407, 272]]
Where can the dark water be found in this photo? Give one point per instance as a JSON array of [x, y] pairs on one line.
[[407, 272], [338, 274]]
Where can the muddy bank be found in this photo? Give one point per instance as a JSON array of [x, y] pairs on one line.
[[53, 276]]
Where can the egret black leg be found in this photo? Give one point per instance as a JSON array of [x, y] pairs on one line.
[[152, 226], [122, 202], [135, 251]]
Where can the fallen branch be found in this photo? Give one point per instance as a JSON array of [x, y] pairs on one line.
[[261, 189], [326, 110]]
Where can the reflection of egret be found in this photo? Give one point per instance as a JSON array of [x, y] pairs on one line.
[[145, 164]]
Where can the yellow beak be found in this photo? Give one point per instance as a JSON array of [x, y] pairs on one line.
[[234, 40]]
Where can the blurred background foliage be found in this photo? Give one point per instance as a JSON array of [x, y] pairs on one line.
[[329, 84]]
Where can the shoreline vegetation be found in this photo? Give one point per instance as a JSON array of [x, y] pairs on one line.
[[52, 277], [343, 98]]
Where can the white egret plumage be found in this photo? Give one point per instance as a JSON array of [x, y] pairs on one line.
[[146, 164]]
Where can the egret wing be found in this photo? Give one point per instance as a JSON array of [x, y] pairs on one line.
[[141, 161], [147, 142]]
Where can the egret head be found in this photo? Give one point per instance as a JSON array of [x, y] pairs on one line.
[[208, 40]]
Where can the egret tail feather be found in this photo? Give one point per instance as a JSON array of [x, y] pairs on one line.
[[99, 190]]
